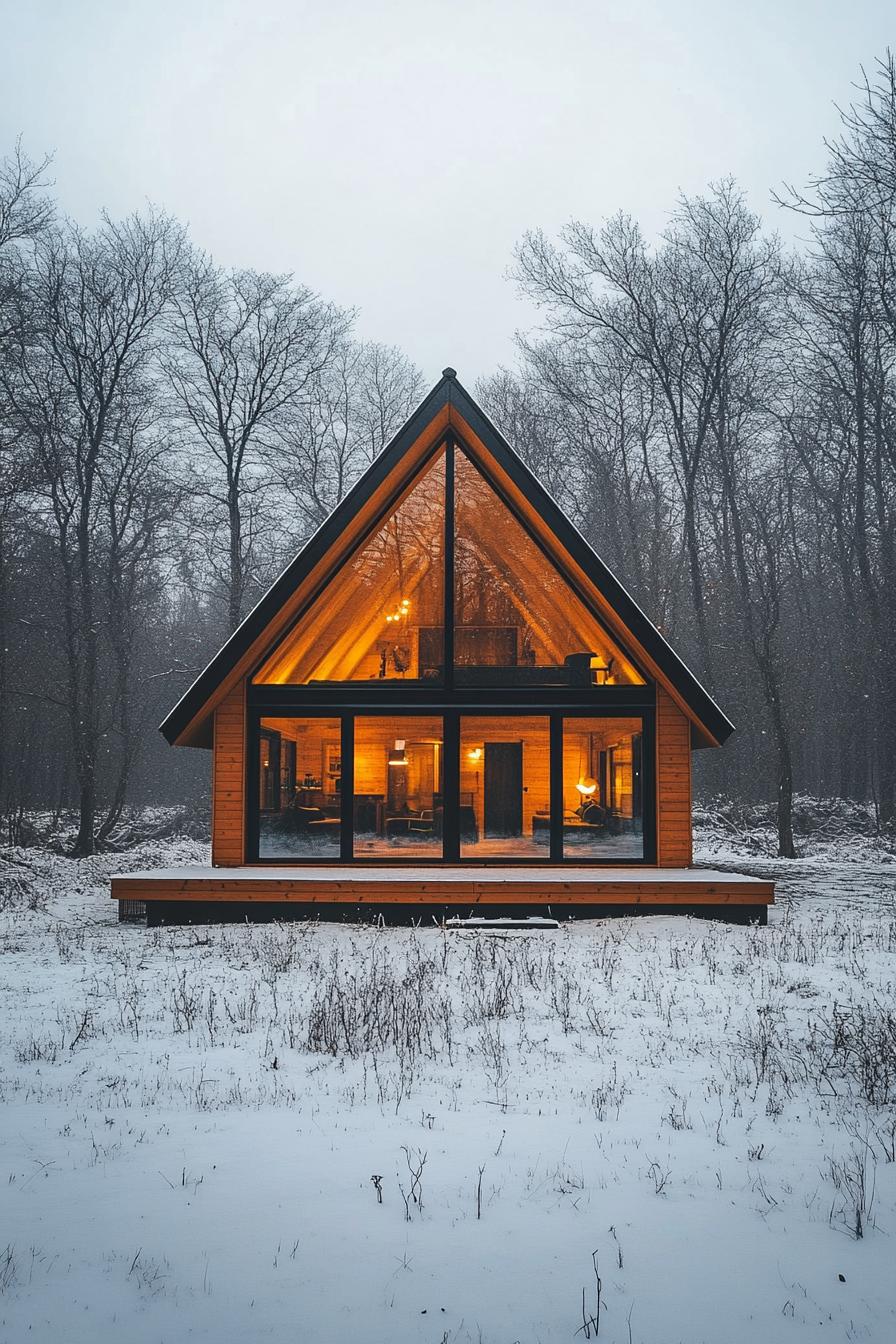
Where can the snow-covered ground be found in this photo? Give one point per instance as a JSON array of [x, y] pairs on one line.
[[324, 1133]]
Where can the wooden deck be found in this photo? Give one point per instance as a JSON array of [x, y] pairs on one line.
[[423, 890]]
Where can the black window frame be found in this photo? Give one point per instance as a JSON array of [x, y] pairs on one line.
[[598, 706]]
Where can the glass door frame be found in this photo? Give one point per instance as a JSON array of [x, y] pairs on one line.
[[599, 705]]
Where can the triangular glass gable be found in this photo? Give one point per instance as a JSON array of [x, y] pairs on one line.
[[517, 620], [381, 615]]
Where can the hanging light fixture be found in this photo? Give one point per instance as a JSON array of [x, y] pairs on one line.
[[586, 786], [402, 610]]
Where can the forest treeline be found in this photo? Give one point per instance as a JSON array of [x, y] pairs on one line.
[[716, 412]]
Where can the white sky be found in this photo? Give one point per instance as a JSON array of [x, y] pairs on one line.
[[390, 154]]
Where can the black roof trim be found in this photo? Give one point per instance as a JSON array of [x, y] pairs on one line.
[[448, 391]]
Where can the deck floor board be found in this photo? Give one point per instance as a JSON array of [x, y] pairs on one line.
[[462, 885]]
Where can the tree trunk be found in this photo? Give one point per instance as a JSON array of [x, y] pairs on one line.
[[699, 607], [886, 751], [81, 615], [784, 767], [85, 843], [235, 592]]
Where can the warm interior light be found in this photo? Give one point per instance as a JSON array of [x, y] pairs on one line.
[[602, 669], [402, 610], [475, 753], [586, 786], [396, 755]]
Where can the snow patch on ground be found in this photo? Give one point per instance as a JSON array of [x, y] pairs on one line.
[[191, 1120]]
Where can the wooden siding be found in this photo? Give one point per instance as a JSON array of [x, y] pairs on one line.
[[229, 780], [673, 784]]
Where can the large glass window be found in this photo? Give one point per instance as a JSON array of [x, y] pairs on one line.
[[603, 780], [505, 786], [503, 807], [397, 806], [299, 788], [517, 621], [381, 616]]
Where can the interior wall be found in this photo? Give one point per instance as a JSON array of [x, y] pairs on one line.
[[315, 740], [534, 732], [376, 737]]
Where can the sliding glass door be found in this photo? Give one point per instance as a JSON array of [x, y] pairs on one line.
[[397, 807], [299, 797], [603, 788], [505, 786]]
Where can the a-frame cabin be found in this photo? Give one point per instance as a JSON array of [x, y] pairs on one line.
[[446, 702]]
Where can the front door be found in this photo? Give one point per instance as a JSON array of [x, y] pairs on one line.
[[503, 801]]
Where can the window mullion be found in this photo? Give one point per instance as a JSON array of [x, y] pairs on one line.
[[347, 787], [448, 552]]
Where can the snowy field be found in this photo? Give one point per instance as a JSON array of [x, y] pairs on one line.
[[653, 1130]]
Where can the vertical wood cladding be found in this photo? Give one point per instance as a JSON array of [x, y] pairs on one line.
[[229, 780], [673, 783]]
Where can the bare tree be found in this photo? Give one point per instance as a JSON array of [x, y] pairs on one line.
[[81, 374], [586, 423], [246, 349], [680, 312], [843, 424], [139, 497], [354, 406], [26, 213], [860, 175]]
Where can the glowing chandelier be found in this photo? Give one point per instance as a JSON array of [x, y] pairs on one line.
[[402, 610]]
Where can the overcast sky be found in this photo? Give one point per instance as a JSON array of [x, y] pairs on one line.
[[391, 154]]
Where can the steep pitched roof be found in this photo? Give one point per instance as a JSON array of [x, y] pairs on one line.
[[448, 406]]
